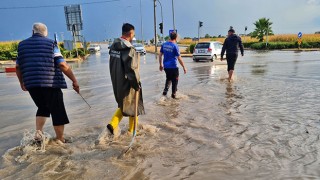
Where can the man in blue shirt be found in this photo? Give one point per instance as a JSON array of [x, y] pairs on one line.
[[171, 53]]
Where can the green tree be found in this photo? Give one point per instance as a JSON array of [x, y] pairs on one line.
[[166, 38], [263, 28], [207, 36]]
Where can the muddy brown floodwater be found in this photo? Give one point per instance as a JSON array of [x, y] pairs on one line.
[[264, 125]]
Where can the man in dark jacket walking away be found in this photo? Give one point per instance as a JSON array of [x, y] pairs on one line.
[[124, 71], [39, 69], [231, 45]]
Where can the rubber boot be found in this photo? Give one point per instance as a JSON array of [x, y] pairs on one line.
[[131, 124], [114, 123]]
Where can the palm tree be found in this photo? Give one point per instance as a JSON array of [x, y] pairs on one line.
[[263, 28]]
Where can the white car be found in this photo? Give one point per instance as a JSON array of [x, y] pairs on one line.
[[207, 51], [159, 43], [140, 48], [94, 48]]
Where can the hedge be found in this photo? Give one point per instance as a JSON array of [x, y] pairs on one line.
[[283, 45]]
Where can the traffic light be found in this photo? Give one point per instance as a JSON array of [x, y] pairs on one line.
[[200, 24], [161, 28], [246, 28]]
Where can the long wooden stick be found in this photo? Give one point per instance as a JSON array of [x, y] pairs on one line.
[[85, 101], [135, 121]]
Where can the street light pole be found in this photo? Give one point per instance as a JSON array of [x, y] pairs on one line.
[[125, 13], [267, 34], [199, 32], [161, 18], [141, 23], [174, 25], [155, 26]]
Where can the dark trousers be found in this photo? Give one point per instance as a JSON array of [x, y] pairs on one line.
[[172, 75], [50, 102], [231, 60]]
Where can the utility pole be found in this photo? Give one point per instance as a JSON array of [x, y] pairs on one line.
[[267, 35], [161, 21], [174, 24], [141, 23], [74, 38], [245, 32], [155, 26], [62, 36], [199, 26]]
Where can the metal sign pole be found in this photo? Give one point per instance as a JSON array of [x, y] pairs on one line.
[[155, 27]]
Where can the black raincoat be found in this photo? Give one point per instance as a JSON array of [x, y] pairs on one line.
[[124, 71], [231, 45]]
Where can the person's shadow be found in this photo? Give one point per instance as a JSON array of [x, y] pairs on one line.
[[233, 99]]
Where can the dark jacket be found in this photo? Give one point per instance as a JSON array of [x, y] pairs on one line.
[[124, 72], [231, 45], [36, 62]]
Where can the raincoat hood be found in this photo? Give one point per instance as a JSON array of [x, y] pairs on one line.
[[121, 44]]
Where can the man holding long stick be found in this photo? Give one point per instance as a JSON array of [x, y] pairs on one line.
[[124, 72], [39, 69]]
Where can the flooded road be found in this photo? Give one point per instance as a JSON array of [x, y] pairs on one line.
[[264, 125]]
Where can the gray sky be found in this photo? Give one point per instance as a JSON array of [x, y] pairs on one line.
[[104, 20]]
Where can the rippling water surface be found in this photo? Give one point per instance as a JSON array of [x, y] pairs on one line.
[[264, 125]]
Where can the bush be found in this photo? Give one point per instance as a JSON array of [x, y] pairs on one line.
[[81, 52], [191, 48], [13, 55], [247, 44], [281, 45], [14, 46], [258, 46], [305, 45], [313, 44], [8, 55], [274, 45]]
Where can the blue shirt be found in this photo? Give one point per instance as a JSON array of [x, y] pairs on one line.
[[171, 53]]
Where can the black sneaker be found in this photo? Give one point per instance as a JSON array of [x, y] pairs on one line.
[[110, 128], [173, 96], [164, 93]]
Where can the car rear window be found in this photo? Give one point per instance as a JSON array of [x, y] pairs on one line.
[[218, 46], [202, 45]]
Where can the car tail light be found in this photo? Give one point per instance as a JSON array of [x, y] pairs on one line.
[[209, 50]]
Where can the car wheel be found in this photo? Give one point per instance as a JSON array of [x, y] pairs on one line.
[[214, 57]]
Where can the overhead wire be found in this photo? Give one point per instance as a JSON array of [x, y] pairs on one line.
[[58, 5]]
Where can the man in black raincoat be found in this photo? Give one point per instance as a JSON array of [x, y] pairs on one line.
[[124, 71], [231, 45]]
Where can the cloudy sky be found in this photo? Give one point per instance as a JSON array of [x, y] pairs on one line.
[[104, 20]]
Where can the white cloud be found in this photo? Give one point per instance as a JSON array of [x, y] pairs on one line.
[[313, 2]]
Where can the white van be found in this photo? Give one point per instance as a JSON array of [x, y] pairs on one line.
[[207, 51]]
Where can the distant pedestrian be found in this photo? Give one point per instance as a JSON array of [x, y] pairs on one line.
[[171, 53], [231, 45], [124, 72], [39, 69]]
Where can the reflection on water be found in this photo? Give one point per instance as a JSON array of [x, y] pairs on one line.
[[259, 69], [264, 125], [205, 72]]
